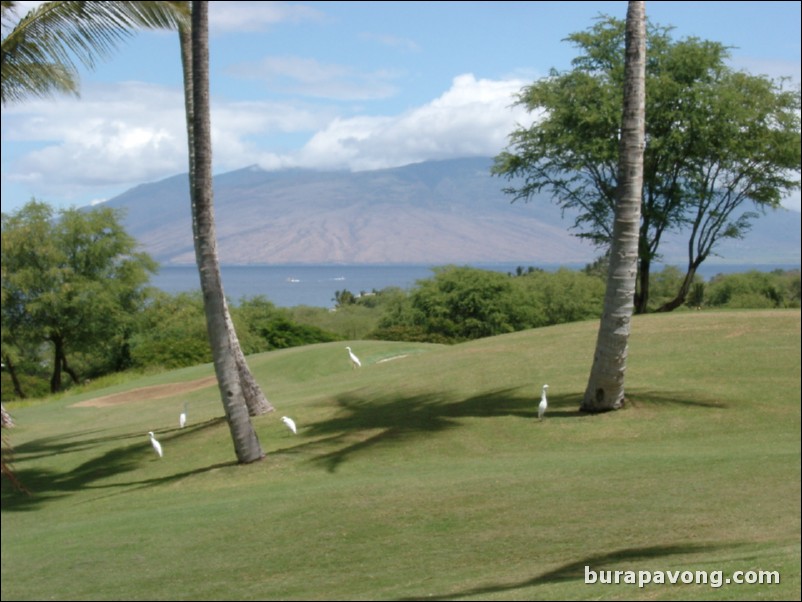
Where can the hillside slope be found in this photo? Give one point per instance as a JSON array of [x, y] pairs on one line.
[[427, 475], [434, 212]]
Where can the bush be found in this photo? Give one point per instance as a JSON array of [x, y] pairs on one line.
[[461, 303], [269, 327], [171, 332], [755, 290]]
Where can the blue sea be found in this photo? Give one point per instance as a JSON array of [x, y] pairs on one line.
[[315, 285], [291, 285]]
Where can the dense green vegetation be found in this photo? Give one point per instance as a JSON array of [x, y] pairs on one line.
[[76, 300], [427, 476], [72, 286], [94, 296], [722, 145]]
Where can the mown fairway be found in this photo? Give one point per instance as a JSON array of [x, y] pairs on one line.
[[428, 475]]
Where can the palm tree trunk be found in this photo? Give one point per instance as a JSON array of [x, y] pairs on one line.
[[254, 397], [605, 389], [246, 443]]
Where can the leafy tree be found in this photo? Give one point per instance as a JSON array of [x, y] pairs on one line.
[[73, 282], [170, 332], [343, 298], [721, 145], [39, 54], [272, 328], [459, 303], [465, 303], [605, 388], [562, 296]]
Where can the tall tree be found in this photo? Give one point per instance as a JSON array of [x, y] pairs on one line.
[[721, 146], [246, 443], [605, 390], [73, 281], [254, 396], [39, 53]]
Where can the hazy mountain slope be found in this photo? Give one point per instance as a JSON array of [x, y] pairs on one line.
[[432, 212]]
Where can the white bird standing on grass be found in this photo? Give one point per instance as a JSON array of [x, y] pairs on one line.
[[290, 424], [355, 363], [544, 404], [182, 417], [156, 445]]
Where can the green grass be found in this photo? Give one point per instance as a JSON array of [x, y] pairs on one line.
[[429, 476]]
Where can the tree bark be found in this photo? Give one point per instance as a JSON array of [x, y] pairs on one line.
[[605, 389], [58, 356], [12, 371], [246, 443], [682, 294], [254, 396]]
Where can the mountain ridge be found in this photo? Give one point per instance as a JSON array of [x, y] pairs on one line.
[[435, 212]]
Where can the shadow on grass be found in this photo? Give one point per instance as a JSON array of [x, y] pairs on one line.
[[625, 559], [638, 397], [44, 484], [365, 421]]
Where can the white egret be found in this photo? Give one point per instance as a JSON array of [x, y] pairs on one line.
[[544, 404], [156, 445], [355, 363], [182, 417], [290, 424]]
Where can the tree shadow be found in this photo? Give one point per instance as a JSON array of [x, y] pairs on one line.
[[365, 421], [623, 559], [641, 397], [43, 485]]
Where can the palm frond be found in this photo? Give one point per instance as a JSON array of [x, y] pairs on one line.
[[62, 34]]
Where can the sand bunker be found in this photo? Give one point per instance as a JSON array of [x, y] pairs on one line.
[[147, 393]]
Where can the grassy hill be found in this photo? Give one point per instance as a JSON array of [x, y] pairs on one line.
[[426, 474]]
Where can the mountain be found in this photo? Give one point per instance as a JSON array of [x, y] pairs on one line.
[[434, 212]]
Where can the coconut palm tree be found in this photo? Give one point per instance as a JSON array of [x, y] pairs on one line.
[[41, 51], [246, 443], [605, 389], [254, 397]]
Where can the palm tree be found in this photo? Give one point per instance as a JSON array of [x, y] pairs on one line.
[[40, 53], [254, 397], [605, 390], [246, 443]]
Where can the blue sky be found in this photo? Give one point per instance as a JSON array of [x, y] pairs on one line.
[[337, 85]]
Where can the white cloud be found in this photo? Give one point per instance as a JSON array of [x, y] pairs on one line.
[[473, 118], [237, 16], [391, 41], [310, 77], [125, 134]]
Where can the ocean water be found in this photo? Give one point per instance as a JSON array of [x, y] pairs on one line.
[[315, 285], [288, 286]]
